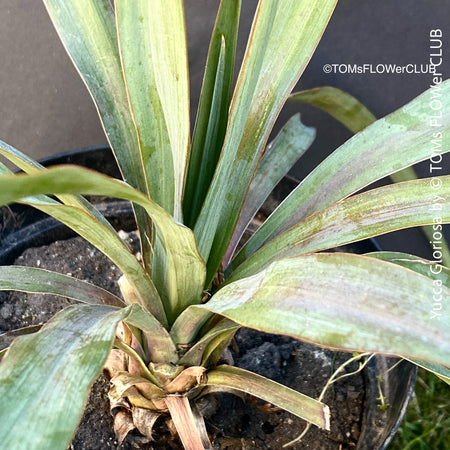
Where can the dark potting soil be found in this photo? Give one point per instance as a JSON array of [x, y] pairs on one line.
[[235, 423]]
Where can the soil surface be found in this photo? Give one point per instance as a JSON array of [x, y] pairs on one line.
[[234, 423]]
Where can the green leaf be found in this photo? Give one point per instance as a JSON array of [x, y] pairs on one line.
[[389, 145], [283, 37], [160, 348], [431, 269], [185, 268], [154, 56], [188, 325], [342, 301], [296, 403], [355, 116], [212, 115], [203, 349], [339, 104], [7, 337], [145, 104], [31, 279], [369, 214], [85, 220], [290, 144], [87, 30], [28, 165], [442, 372], [108, 242], [170, 65], [349, 111], [45, 377]]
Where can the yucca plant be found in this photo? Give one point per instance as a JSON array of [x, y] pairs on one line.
[[189, 292]]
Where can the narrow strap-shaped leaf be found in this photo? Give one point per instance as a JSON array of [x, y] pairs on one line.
[[166, 80], [283, 37], [87, 30], [290, 144], [189, 323], [349, 111], [170, 67], [90, 224], [432, 269], [28, 165], [343, 301], [195, 355], [161, 347], [85, 220], [136, 55], [111, 245], [212, 115], [296, 403], [7, 337], [355, 116], [184, 264], [31, 279], [339, 104], [45, 377], [442, 372], [369, 214], [389, 145]]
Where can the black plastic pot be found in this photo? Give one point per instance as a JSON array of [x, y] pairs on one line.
[[24, 227]]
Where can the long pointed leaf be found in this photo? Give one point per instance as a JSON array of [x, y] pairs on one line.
[[85, 220], [296, 403], [431, 269], [222, 331], [349, 111], [389, 145], [145, 104], [355, 116], [87, 30], [28, 165], [283, 37], [108, 242], [339, 104], [31, 279], [343, 301], [212, 116], [359, 217], [290, 144], [170, 67], [185, 268], [442, 372], [45, 377]]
